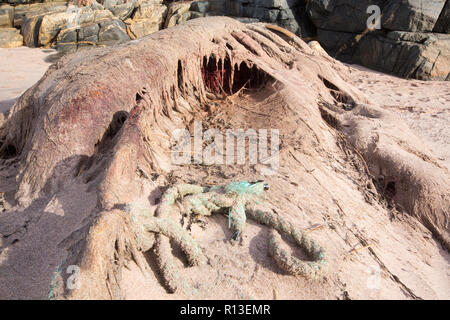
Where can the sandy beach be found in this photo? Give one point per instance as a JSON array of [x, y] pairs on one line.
[[20, 69], [424, 105]]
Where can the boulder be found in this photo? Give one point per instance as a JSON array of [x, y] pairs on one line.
[[423, 56], [411, 15], [341, 15], [67, 40], [92, 15], [112, 32], [107, 4], [53, 23], [10, 38], [180, 18], [96, 6], [352, 16], [88, 34], [82, 37], [123, 11], [74, 16], [218, 7], [30, 29], [405, 46], [16, 2], [50, 26], [102, 33], [141, 28], [83, 3], [175, 12], [443, 23], [433, 61], [200, 6], [289, 14], [6, 16], [150, 10], [19, 2], [147, 18], [21, 11]]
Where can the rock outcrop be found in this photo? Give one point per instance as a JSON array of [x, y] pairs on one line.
[[408, 43], [21, 11], [146, 19], [6, 16], [69, 25], [407, 54], [443, 23], [10, 38], [289, 14], [26, 17]]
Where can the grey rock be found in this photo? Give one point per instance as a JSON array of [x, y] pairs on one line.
[[30, 29], [289, 14], [89, 33], [411, 15], [123, 11], [16, 2], [149, 10], [175, 13], [404, 46], [149, 17], [96, 6], [21, 11], [107, 4], [200, 6], [68, 36], [218, 7], [67, 40], [341, 15], [352, 16], [443, 23], [112, 32], [423, 56], [82, 37], [6, 16], [10, 38], [88, 36]]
